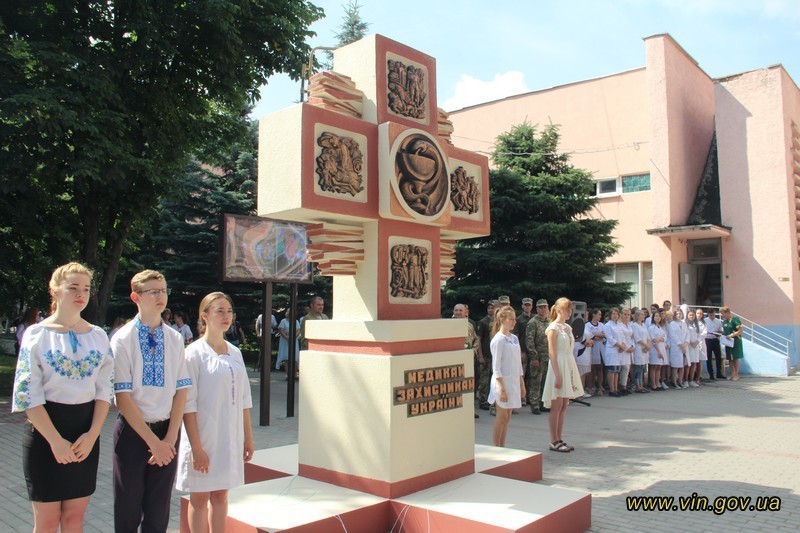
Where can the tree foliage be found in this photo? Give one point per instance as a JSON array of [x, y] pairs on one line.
[[103, 103], [543, 243], [349, 31]]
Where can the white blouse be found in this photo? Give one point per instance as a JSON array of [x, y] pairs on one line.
[[640, 352], [599, 345], [69, 368]]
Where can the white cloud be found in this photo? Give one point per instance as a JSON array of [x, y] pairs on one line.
[[470, 91]]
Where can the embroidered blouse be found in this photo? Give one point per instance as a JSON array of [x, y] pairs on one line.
[[69, 368], [151, 366]]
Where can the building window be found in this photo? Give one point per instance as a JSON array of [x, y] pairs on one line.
[[606, 187], [636, 183], [640, 277]]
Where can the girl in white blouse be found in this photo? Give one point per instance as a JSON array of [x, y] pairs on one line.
[[597, 334], [216, 419], [63, 384], [678, 340], [658, 356], [693, 354]]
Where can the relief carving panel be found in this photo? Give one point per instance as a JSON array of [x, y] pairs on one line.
[[406, 84], [422, 175], [340, 164], [409, 271], [464, 193]]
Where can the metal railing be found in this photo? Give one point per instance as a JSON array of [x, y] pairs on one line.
[[760, 335]]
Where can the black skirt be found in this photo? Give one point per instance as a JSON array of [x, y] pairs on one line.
[[47, 480]]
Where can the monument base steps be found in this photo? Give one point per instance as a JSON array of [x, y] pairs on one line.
[[502, 496]]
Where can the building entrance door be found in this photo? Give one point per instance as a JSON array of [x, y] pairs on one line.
[[701, 277]]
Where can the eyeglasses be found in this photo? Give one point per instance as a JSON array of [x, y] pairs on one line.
[[155, 292]]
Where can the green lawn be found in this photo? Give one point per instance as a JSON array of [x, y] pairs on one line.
[[8, 364]]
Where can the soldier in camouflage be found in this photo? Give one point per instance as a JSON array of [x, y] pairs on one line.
[[522, 324], [484, 332], [538, 356]]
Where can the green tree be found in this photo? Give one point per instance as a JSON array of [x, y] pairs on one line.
[[351, 29], [543, 243], [102, 104]]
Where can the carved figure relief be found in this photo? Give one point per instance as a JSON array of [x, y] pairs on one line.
[[339, 165], [406, 84], [464, 193], [422, 175], [409, 271]]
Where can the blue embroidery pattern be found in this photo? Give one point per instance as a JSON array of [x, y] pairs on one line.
[[22, 381], [126, 385], [72, 369], [184, 383], [152, 347]]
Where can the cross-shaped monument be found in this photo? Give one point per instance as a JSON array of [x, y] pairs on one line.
[[387, 196], [387, 386]]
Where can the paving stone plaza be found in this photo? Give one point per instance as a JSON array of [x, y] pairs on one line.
[[722, 440]]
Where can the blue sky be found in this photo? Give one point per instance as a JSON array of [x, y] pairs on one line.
[[486, 50]]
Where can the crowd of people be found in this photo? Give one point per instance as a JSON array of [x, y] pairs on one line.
[[539, 361], [161, 379]]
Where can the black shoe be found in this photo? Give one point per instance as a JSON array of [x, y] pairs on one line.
[[535, 410], [614, 394], [476, 415], [485, 406]]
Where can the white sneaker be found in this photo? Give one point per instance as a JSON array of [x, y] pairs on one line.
[[685, 384], [693, 384], [664, 386], [587, 395]]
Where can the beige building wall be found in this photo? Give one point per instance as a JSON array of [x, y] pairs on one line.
[[755, 185], [791, 112], [681, 108]]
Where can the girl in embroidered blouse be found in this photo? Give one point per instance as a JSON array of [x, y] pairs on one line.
[[216, 419], [63, 383]]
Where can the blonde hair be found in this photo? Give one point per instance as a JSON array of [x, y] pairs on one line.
[[499, 315], [205, 304], [561, 303], [60, 276], [138, 280]]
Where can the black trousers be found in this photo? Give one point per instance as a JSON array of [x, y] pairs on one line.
[[714, 352], [142, 492]]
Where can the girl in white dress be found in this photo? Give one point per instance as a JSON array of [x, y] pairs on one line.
[[563, 381], [63, 383], [658, 356], [507, 387], [598, 335], [216, 419]]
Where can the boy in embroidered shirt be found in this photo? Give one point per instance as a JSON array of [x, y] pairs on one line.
[[151, 382]]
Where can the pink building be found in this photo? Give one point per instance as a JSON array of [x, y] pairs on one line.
[[698, 172]]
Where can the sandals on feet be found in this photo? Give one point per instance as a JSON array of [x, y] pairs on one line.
[[569, 448], [559, 446]]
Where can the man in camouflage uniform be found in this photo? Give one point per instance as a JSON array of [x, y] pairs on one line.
[[471, 340], [484, 332], [538, 355], [522, 324]]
